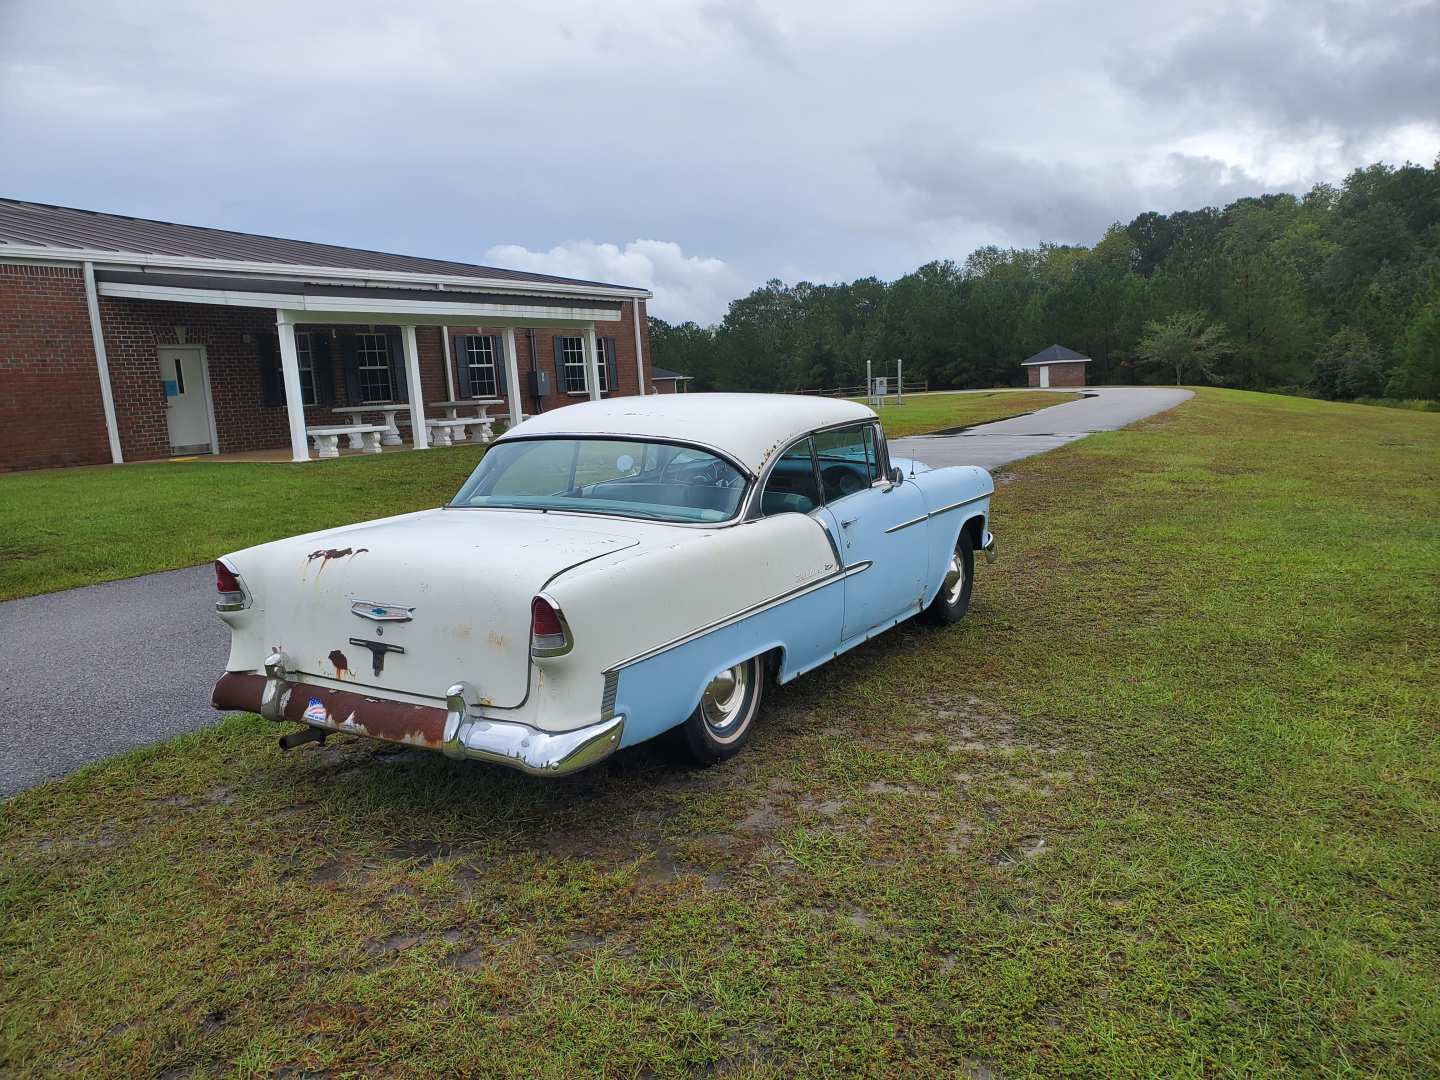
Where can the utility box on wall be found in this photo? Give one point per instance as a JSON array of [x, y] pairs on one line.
[[539, 383]]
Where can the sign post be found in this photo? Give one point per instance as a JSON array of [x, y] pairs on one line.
[[899, 381]]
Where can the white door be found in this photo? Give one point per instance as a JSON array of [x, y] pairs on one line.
[[1044, 376], [187, 405]]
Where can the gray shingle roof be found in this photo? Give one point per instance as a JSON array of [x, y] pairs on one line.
[[44, 225], [1055, 354]]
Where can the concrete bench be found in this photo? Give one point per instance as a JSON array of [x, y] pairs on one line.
[[448, 432], [362, 437]]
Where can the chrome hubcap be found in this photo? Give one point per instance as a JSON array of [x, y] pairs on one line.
[[955, 578], [723, 704]]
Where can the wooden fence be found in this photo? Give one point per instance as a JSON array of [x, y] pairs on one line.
[[858, 390]]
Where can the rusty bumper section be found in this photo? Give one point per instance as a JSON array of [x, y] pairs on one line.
[[457, 730], [333, 710]]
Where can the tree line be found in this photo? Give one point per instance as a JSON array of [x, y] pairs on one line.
[[1336, 292]]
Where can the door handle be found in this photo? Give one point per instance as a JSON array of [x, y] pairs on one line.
[[847, 524]]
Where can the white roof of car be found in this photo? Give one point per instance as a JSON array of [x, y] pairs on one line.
[[748, 427]]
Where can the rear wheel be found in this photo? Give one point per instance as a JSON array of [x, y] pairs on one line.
[[721, 723], [953, 599]]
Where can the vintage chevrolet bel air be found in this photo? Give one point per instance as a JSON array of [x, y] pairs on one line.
[[611, 571]]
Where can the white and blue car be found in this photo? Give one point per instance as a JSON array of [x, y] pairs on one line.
[[612, 571]]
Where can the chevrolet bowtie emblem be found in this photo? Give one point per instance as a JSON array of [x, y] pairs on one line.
[[378, 649], [381, 612]]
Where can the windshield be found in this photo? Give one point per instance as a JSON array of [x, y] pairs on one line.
[[652, 480]]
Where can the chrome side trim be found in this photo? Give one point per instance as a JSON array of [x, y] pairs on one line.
[[957, 506], [906, 524], [937, 513], [743, 613], [520, 746]]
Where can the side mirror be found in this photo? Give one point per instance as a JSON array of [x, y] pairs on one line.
[[897, 475]]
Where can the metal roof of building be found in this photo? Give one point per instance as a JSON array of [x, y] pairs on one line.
[[33, 224], [1056, 354], [665, 373]]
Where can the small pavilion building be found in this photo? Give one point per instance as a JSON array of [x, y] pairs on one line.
[[1056, 366]]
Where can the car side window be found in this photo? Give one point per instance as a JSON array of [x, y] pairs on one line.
[[847, 460], [792, 487], [872, 452]]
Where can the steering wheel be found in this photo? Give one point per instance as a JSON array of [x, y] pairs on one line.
[[841, 479], [713, 475]]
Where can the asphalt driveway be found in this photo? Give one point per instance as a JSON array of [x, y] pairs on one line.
[[992, 445], [92, 672]]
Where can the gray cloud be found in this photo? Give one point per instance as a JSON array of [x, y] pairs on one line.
[[1027, 199], [742, 138], [1324, 63]]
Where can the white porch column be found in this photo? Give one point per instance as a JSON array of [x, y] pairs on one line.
[[512, 376], [592, 362], [294, 396], [419, 435], [449, 367], [102, 364], [639, 347]]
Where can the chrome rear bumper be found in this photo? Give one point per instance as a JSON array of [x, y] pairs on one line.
[[457, 730], [990, 547], [504, 742]]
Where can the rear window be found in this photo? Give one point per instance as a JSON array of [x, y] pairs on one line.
[[651, 480]]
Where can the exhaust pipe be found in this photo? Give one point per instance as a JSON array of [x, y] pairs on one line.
[[301, 737]]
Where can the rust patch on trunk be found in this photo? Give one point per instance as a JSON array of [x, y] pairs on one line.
[[342, 664], [327, 554]]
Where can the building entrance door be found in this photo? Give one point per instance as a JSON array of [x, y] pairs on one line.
[[187, 399]]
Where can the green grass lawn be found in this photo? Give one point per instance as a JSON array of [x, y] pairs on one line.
[[70, 527], [63, 528], [1166, 803], [939, 412]]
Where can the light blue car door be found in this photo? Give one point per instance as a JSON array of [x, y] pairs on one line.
[[880, 524]]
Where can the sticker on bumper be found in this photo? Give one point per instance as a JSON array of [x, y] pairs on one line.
[[315, 712]]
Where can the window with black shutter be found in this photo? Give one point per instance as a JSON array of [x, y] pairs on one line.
[[480, 365], [272, 382]]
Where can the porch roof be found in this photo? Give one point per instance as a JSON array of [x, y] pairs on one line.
[[336, 302], [42, 230]]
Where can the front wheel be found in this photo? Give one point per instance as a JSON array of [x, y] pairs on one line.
[[721, 723], [953, 599]]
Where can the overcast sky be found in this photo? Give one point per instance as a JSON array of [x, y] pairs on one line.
[[701, 148]]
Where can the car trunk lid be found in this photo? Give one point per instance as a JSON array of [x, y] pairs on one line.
[[414, 604]]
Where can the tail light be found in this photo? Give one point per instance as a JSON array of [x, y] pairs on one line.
[[232, 593], [549, 633]]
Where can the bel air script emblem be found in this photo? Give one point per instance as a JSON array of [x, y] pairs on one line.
[[381, 612]]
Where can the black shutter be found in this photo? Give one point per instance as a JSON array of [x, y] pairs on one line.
[[497, 350], [399, 387], [612, 365], [272, 382], [322, 367], [561, 387], [462, 367], [348, 362]]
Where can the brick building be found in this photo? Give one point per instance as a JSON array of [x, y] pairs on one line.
[[1056, 366], [124, 339]]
